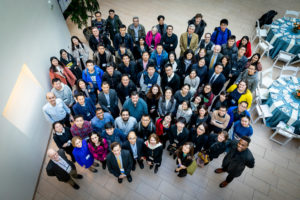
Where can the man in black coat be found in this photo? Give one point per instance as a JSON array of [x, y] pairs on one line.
[[62, 168], [128, 67], [119, 162], [144, 62], [112, 76], [125, 87], [135, 146], [169, 40], [123, 38], [98, 38], [199, 23], [108, 100], [206, 43], [170, 79], [216, 79], [144, 128], [235, 161]]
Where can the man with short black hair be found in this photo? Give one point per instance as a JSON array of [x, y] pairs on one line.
[[160, 57], [238, 157], [102, 57], [169, 40], [108, 100], [98, 122], [125, 88], [221, 33], [161, 26], [170, 79], [237, 112], [229, 48], [112, 76], [149, 78], [125, 122], [62, 91], [99, 22], [113, 23], [219, 119], [123, 38], [128, 67], [81, 127], [112, 134], [178, 135], [93, 75], [137, 106], [84, 107], [144, 128], [216, 79], [144, 62]]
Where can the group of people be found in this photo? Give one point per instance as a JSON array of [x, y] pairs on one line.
[[135, 98]]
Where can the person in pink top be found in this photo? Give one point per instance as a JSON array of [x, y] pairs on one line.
[[98, 147], [153, 38]]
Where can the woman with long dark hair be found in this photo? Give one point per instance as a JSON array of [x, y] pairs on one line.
[[200, 117], [86, 89], [153, 152], [167, 103], [172, 60], [225, 61], [152, 98], [163, 125], [254, 60], [185, 64], [206, 95], [245, 42], [140, 48], [60, 71], [185, 155], [98, 147], [79, 51], [70, 62]]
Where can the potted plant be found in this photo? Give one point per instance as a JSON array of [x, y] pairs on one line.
[[80, 12]]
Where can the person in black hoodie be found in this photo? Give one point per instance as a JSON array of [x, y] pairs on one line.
[[124, 88], [169, 40], [112, 76], [98, 38], [153, 152], [102, 57], [113, 23], [170, 79], [69, 61], [199, 23], [123, 38]]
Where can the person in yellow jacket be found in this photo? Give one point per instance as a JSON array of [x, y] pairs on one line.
[[238, 93]]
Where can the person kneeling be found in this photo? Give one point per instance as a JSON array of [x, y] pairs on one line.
[[185, 155], [153, 151]]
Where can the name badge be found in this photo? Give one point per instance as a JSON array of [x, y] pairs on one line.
[[88, 114], [87, 157], [104, 65], [149, 85], [122, 171], [151, 158], [176, 141]]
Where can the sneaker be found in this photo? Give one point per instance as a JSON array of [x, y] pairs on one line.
[[75, 186], [151, 166], [104, 166], [141, 164]]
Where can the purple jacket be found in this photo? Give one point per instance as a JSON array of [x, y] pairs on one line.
[[149, 37]]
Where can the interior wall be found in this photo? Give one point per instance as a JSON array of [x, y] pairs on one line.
[[31, 32]]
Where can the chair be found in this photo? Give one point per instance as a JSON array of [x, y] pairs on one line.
[[265, 46], [266, 79], [258, 32], [295, 14], [286, 131], [262, 93], [296, 61], [285, 69], [263, 111], [285, 57]]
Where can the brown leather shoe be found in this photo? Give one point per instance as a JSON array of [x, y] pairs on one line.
[[223, 184], [219, 170]]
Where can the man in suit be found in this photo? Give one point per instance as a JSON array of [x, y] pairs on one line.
[[214, 57], [135, 146], [170, 79], [119, 162], [62, 168], [189, 40], [108, 100], [206, 43], [216, 79]]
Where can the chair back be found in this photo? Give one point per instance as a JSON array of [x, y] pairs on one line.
[[292, 69], [295, 14]]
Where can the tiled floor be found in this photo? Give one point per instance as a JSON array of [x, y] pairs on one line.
[[276, 174]]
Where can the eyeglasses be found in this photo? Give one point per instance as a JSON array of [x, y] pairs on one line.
[[132, 138]]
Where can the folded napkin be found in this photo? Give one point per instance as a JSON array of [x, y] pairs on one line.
[[280, 20], [274, 26], [273, 90], [281, 81], [295, 80], [276, 105]]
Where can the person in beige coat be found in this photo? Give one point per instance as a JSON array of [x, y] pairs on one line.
[[189, 40]]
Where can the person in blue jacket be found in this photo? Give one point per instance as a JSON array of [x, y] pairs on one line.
[[112, 134], [93, 75], [221, 33], [160, 57], [237, 112], [84, 107], [137, 106], [241, 128], [82, 154]]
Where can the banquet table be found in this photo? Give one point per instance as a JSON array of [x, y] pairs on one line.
[[282, 37], [283, 103]]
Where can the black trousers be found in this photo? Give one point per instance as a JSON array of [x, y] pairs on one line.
[[66, 121]]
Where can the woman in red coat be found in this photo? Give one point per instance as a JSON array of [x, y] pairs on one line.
[[162, 128], [245, 42], [60, 71]]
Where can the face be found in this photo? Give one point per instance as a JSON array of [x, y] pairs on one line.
[[98, 17], [168, 119], [125, 80], [142, 41], [191, 30], [223, 27], [64, 55], [111, 14], [207, 38], [159, 49], [101, 50], [90, 66], [242, 51], [171, 57], [242, 145], [244, 41], [125, 116], [222, 97], [135, 99], [100, 114], [54, 62], [217, 49], [51, 98], [109, 131], [95, 32], [116, 150], [186, 149], [224, 61], [58, 128], [161, 21], [145, 56], [169, 30], [95, 138], [184, 106], [78, 143], [154, 31], [105, 88], [222, 111], [79, 122], [180, 126], [189, 56], [81, 100], [110, 70], [75, 41], [132, 138], [135, 22], [197, 99], [53, 156], [154, 90], [198, 20], [82, 85], [126, 60], [230, 43], [200, 130], [251, 70], [242, 107], [202, 112], [122, 31], [242, 86], [122, 49], [152, 141], [169, 71], [145, 121], [151, 71], [57, 85], [218, 69], [245, 122], [221, 137], [193, 74], [201, 63], [185, 89], [254, 58], [202, 53], [168, 94], [207, 88]]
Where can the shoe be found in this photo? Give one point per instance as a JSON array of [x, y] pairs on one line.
[[219, 170], [96, 164], [141, 164], [75, 186], [79, 176], [151, 166], [133, 168], [129, 178], [170, 153], [174, 156], [93, 170], [223, 184], [156, 169], [175, 171], [120, 180], [103, 165]]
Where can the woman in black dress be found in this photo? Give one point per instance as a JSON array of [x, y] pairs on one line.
[[152, 98], [153, 152]]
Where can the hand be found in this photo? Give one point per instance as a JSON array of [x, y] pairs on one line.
[[98, 92], [174, 144], [149, 163], [230, 75], [177, 169], [122, 176], [183, 167], [65, 145], [71, 118]]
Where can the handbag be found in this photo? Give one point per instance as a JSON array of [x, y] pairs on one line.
[[192, 167]]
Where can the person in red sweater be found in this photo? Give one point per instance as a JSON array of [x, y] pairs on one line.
[[163, 125], [245, 42]]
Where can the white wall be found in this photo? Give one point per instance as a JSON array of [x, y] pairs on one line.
[[30, 32]]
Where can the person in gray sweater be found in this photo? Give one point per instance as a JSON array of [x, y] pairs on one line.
[[251, 76], [193, 80], [63, 92]]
